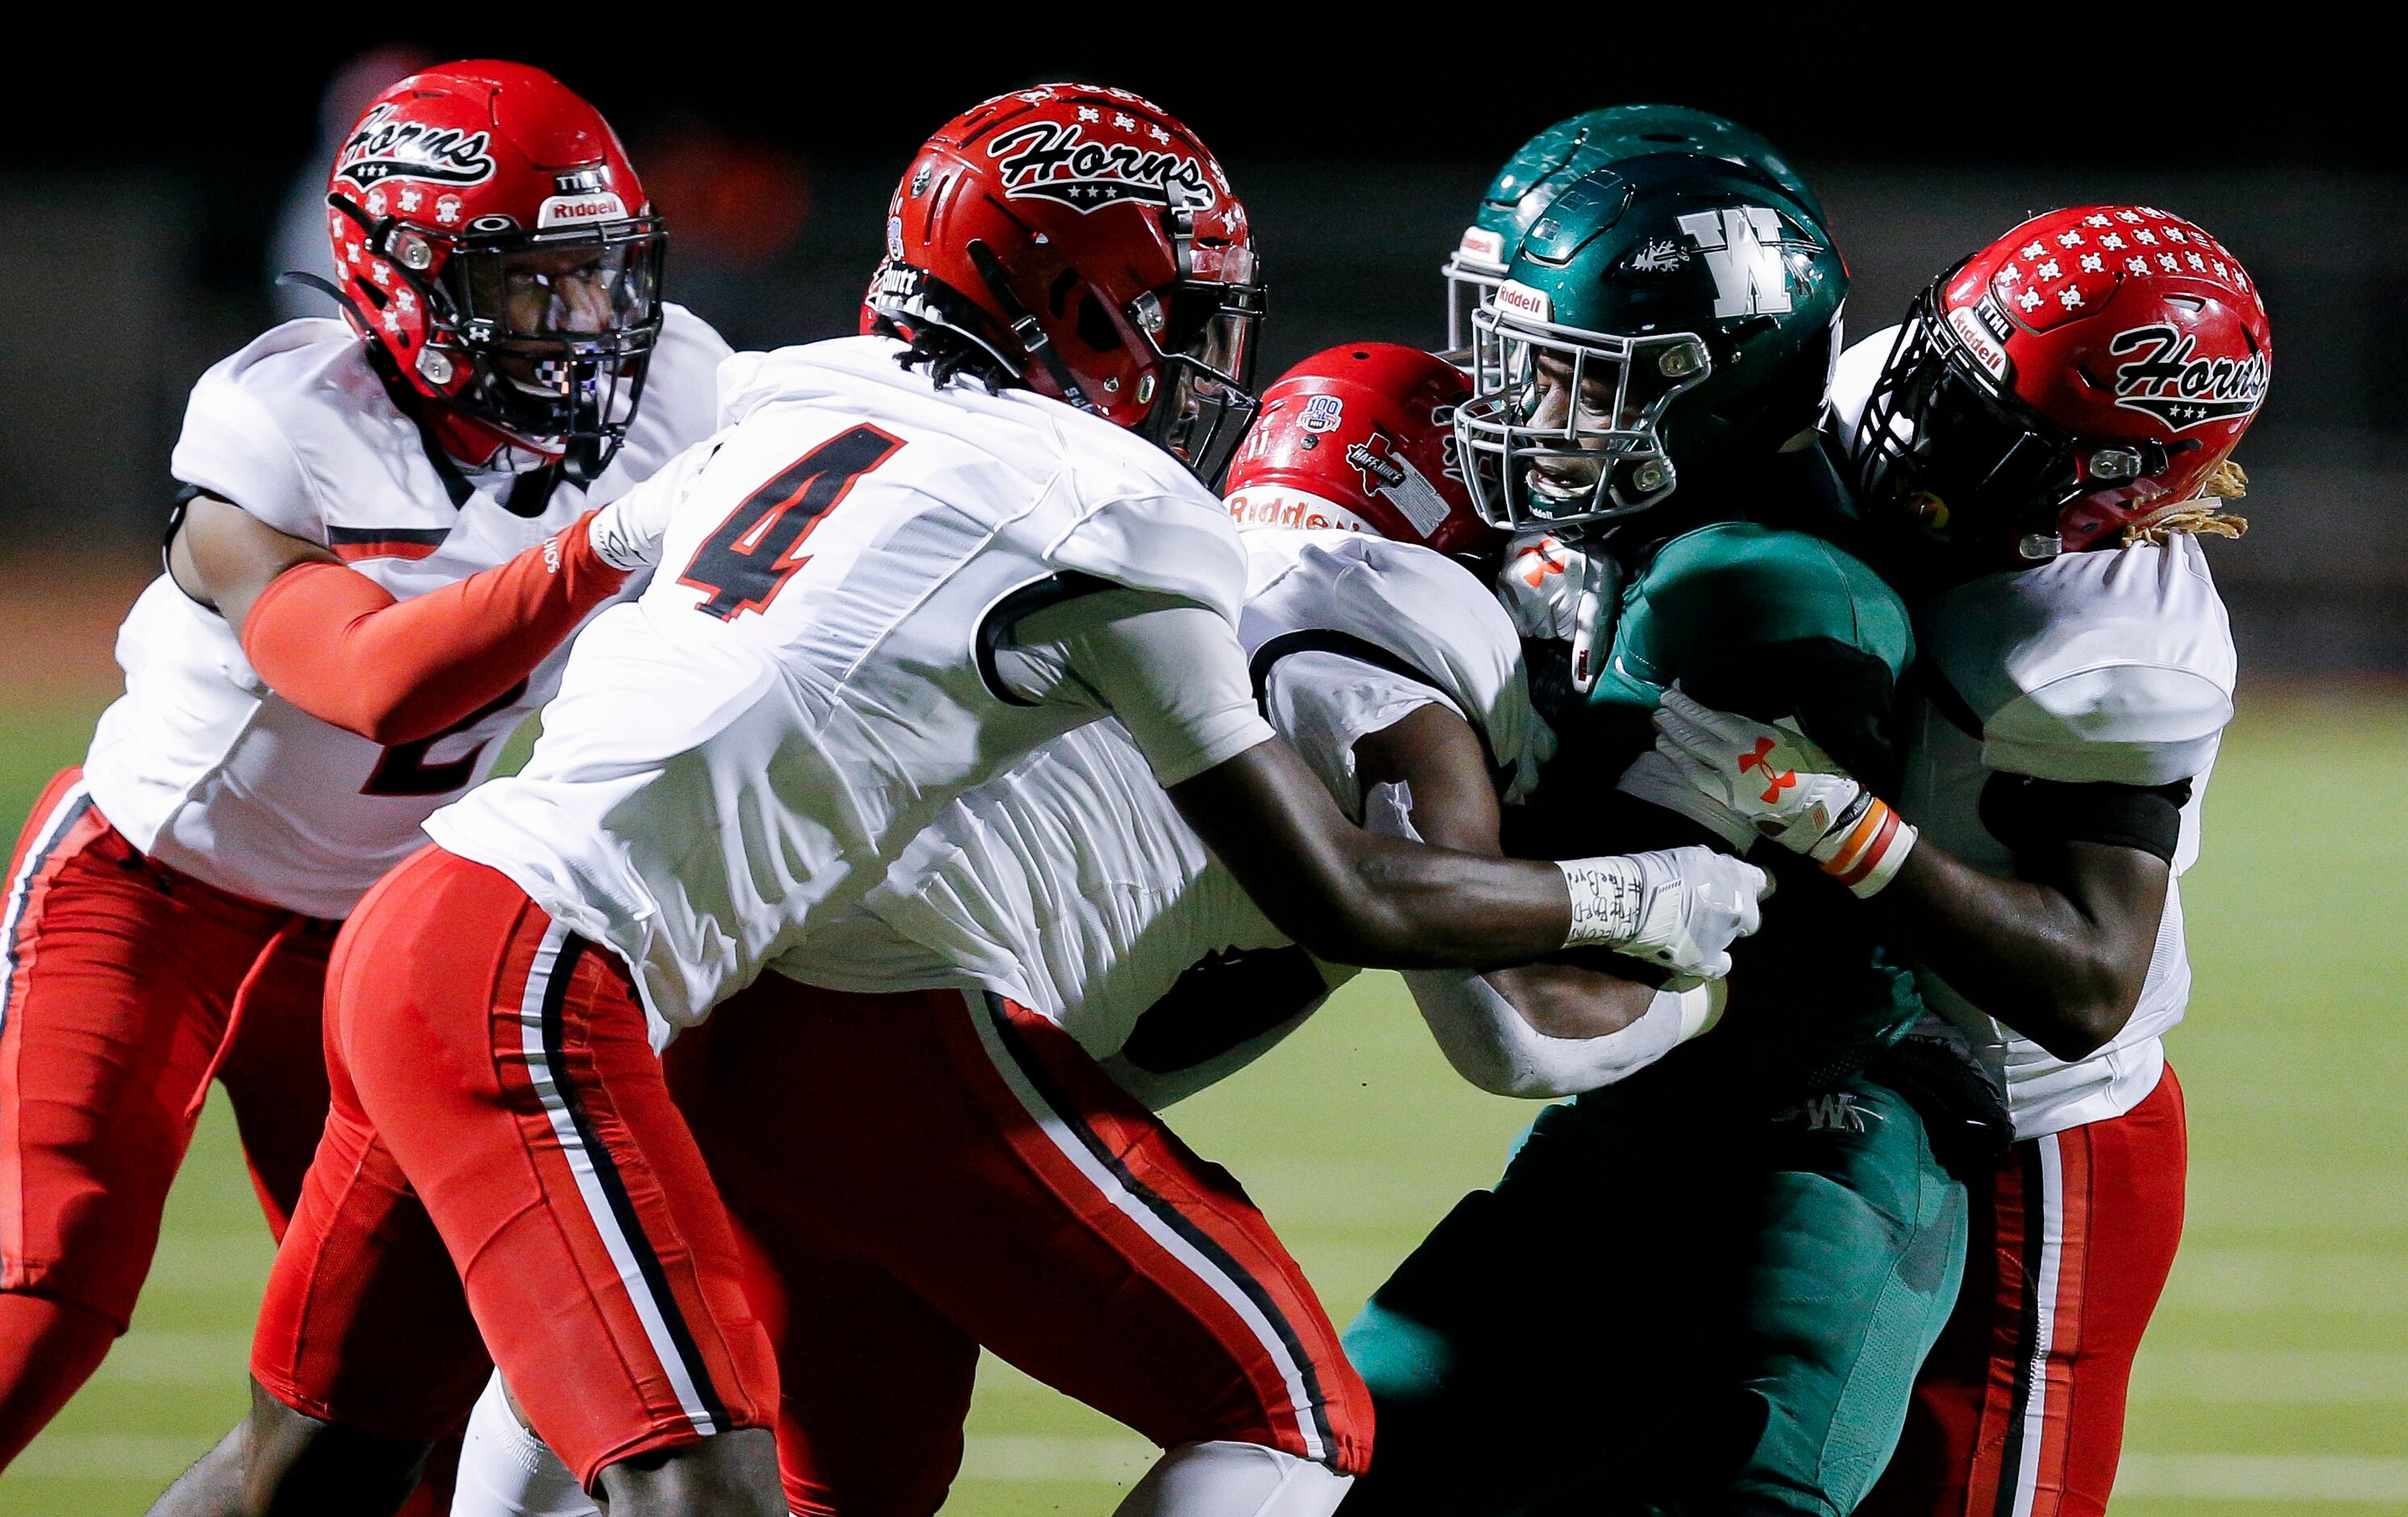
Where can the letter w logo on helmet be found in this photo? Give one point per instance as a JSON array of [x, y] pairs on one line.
[[1742, 249]]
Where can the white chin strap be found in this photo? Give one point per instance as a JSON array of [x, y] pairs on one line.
[[1235, 1480]]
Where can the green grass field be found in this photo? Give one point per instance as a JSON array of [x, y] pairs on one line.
[[2276, 1380]]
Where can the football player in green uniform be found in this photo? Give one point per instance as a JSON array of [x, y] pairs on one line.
[[1706, 1288]]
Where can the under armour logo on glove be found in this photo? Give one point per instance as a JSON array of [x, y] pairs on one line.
[[1540, 588], [1539, 560], [1812, 807], [1761, 758]]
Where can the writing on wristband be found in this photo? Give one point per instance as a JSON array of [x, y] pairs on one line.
[[1865, 846], [1608, 902]]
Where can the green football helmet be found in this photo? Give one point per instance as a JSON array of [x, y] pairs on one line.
[[1540, 168], [1667, 316]]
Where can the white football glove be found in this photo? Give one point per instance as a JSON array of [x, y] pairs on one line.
[[1540, 586], [626, 534], [1556, 591], [1678, 907], [1773, 778]]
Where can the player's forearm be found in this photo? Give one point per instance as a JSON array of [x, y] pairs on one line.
[[342, 648], [1400, 906], [2055, 966], [1578, 1031]]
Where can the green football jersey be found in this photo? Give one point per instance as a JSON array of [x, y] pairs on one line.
[[1776, 624]]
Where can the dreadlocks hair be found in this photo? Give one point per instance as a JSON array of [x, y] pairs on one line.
[[951, 357], [2225, 482]]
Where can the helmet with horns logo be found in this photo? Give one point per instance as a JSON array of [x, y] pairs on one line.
[[494, 245], [2085, 373], [1091, 245]]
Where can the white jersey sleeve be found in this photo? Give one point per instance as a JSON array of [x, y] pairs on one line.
[[1325, 703], [1171, 671], [2113, 666], [1347, 633], [233, 446], [203, 766]]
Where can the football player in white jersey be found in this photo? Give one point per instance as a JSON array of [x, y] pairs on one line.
[[2045, 440], [1034, 946], [387, 529], [904, 567]]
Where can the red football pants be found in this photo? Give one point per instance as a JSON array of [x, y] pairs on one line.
[[125, 987], [2019, 1411], [501, 1160], [922, 1174]]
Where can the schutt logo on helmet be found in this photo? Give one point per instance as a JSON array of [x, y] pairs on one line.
[[383, 148], [1053, 161]]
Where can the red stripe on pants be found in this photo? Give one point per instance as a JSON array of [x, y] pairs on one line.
[[2019, 1410]]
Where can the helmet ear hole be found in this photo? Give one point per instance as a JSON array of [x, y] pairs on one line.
[[1059, 295], [1095, 326]]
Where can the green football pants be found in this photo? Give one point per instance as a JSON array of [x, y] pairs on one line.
[[1660, 1310]]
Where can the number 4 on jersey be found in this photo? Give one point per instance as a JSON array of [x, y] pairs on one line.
[[748, 559]]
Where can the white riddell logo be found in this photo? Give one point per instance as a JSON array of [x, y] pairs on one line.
[[1743, 248], [1514, 296]]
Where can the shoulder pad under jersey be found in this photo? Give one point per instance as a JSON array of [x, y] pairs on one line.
[[1715, 593], [1322, 590], [263, 425], [2114, 665]]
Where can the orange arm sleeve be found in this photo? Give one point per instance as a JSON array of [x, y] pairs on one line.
[[340, 647]]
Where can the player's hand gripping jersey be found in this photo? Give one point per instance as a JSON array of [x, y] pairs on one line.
[[873, 598], [205, 768], [2112, 666]]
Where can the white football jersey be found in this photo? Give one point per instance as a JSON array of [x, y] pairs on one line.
[[205, 768], [2115, 665], [737, 757], [1071, 885]]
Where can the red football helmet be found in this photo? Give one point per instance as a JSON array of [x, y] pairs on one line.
[[494, 243], [2085, 372], [1091, 244], [1362, 437]]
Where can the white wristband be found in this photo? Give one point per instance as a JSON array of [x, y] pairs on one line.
[[1865, 848], [1609, 901], [1700, 1002]]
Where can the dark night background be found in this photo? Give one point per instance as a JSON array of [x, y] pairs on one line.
[[140, 189]]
